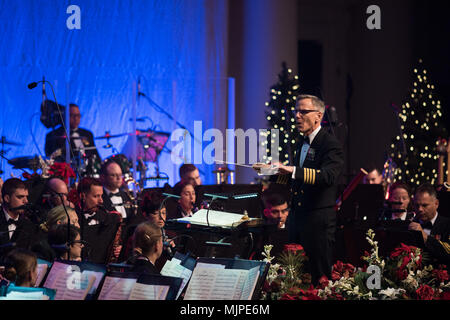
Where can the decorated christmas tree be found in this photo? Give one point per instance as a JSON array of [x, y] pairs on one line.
[[281, 114], [421, 126]]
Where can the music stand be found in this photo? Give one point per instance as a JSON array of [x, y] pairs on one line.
[[253, 205], [363, 206]]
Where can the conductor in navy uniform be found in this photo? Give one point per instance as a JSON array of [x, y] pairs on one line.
[[318, 164]]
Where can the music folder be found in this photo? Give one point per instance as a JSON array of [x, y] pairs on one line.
[[226, 279], [135, 286], [74, 280]]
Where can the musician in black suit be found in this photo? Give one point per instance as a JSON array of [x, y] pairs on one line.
[[148, 247], [15, 228], [98, 226], [80, 139], [434, 227], [318, 164], [116, 197]]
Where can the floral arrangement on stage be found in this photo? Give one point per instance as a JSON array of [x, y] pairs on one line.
[[401, 276]]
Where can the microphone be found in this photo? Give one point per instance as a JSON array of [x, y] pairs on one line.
[[138, 119], [32, 85]]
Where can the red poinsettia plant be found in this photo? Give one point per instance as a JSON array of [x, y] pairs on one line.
[[62, 170], [402, 276]]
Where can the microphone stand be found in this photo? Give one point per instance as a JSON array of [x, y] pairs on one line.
[[60, 195], [43, 81], [214, 197]]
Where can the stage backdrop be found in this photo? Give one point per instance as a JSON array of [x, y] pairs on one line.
[[176, 49]]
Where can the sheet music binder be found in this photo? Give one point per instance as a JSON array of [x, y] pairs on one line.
[[244, 265], [41, 277], [83, 266], [173, 283]]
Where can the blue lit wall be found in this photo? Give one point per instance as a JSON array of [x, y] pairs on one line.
[[176, 47]]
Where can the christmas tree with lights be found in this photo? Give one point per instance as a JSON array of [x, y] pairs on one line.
[[281, 115], [421, 122]]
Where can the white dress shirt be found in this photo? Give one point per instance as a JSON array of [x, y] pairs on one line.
[[11, 227], [117, 200], [305, 148]]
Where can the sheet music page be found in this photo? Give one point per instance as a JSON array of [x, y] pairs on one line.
[[213, 284], [143, 291], [81, 287], [41, 271], [240, 284], [173, 268], [209, 265], [201, 284], [215, 218], [225, 286], [98, 278], [116, 288], [56, 268], [69, 284], [250, 283]]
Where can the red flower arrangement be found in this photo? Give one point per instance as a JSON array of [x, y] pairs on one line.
[[294, 248], [341, 269], [425, 292], [62, 170]]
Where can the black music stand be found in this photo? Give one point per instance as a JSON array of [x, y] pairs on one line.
[[363, 206], [254, 206]]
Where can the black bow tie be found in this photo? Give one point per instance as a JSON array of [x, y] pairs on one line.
[[93, 217], [12, 221], [117, 194], [427, 225], [306, 140]]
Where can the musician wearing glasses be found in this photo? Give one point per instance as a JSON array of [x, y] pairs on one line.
[[314, 174], [81, 140]]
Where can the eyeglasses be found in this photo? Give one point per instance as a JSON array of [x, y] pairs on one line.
[[303, 112], [75, 115], [81, 242]]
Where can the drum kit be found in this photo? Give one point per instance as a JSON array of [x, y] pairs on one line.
[[149, 146]]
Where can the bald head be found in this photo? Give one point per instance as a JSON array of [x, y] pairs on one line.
[[57, 186]]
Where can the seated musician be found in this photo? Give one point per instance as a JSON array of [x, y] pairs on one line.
[[81, 140], [400, 202], [66, 244], [374, 176], [276, 208], [185, 205], [55, 216], [99, 227], [115, 196], [434, 227], [16, 230], [56, 192], [154, 213], [21, 267], [148, 247], [189, 173]]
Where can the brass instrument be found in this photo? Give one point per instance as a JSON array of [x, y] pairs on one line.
[[132, 196], [112, 258], [389, 170]]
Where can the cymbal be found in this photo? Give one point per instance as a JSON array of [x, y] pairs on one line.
[[12, 143], [29, 162], [110, 136]]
